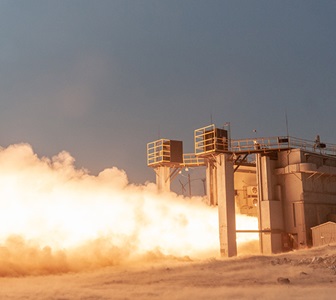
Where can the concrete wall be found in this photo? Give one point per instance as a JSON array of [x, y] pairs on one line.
[[319, 200], [308, 188], [324, 234]]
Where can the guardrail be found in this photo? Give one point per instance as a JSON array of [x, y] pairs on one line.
[[209, 140], [158, 152], [279, 143], [191, 160]]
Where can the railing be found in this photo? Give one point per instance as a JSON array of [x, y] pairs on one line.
[[191, 160], [210, 139], [259, 144], [158, 152], [317, 146], [279, 143]]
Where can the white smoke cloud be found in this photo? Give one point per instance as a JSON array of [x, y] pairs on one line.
[[56, 218]]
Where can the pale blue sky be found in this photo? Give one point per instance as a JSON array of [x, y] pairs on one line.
[[100, 79]]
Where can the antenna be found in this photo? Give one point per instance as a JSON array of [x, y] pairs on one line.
[[287, 131], [286, 123]]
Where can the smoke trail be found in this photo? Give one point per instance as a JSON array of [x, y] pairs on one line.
[[56, 218]]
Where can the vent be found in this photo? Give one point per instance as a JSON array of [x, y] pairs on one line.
[[252, 191]]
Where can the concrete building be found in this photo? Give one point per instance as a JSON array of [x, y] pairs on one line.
[[305, 182]]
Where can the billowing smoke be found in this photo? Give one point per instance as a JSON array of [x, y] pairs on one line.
[[56, 218]]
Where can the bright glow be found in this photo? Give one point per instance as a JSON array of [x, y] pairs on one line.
[[65, 218]]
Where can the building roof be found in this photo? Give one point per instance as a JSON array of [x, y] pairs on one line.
[[324, 224]]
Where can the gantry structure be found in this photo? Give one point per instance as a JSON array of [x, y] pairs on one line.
[[223, 156]]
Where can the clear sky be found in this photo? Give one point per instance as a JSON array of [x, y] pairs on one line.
[[101, 78]]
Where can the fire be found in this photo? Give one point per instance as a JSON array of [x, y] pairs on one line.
[[64, 219]]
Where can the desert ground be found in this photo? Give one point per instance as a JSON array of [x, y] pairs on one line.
[[301, 274]]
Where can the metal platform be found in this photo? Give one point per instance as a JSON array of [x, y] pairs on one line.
[[166, 152], [210, 141], [279, 143]]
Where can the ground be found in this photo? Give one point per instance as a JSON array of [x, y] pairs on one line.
[[304, 274]]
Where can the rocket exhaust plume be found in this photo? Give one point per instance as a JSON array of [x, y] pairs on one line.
[[56, 218]]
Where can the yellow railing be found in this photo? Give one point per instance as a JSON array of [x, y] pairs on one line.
[[279, 143], [158, 152], [255, 144], [210, 139], [191, 160]]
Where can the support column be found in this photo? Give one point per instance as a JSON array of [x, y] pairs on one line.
[[211, 182], [270, 216], [226, 205], [163, 178]]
